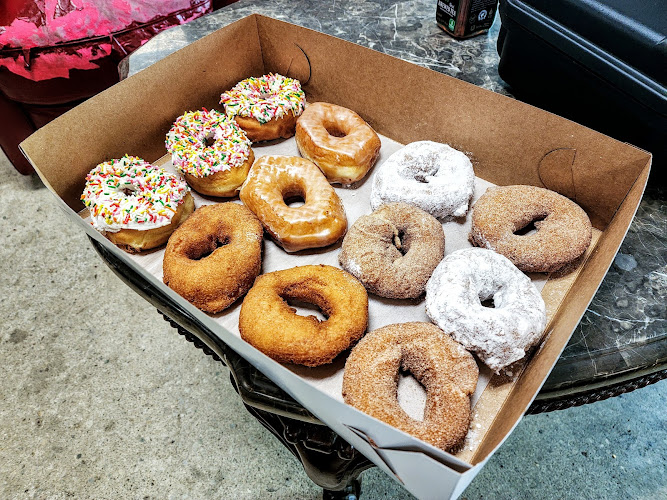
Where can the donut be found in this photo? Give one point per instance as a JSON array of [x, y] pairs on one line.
[[501, 334], [214, 258], [270, 324], [432, 176], [266, 107], [563, 228], [394, 250], [215, 169], [337, 140], [446, 370], [134, 204], [272, 181]]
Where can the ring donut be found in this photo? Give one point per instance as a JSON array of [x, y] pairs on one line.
[[563, 228], [394, 250], [337, 140], [134, 204], [214, 259], [432, 176], [267, 107], [272, 180], [217, 169], [446, 370], [271, 325], [499, 335]]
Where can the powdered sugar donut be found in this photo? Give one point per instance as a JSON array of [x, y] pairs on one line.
[[432, 176], [266, 107], [499, 335], [215, 169], [134, 204]]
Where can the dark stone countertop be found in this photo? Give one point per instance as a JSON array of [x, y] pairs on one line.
[[624, 330]]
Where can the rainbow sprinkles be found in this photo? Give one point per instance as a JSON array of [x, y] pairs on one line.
[[130, 193], [265, 98], [187, 143]]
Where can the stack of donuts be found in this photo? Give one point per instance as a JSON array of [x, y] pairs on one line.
[[482, 306]]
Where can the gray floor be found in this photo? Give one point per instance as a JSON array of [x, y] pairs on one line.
[[101, 399]]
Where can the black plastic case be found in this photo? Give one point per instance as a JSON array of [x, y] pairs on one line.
[[602, 63]]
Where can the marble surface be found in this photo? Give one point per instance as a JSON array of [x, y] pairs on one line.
[[625, 327]]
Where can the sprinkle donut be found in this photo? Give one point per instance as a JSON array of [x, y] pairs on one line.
[[563, 228], [214, 257], [266, 107], [135, 204], [446, 370], [319, 222], [432, 176], [499, 335], [338, 141], [217, 169], [394, 250], [270, 324]]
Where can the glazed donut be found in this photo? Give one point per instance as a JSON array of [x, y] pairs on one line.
[[271, 325], [499, 335], [135, 204], [394, 250], [432, 176], [446, 370], [217, 169], [266, 107], [563, 228], [214, 258], [338, 141], [319, 222]]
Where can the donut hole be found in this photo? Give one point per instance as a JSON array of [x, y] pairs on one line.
[[531, 228], [294, 198], [208, 141], [411, 395], [202, 251], [334, 130], [301, 307], [400, 242], [488, 303], [129, 190]]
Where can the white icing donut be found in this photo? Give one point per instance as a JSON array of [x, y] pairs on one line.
[[186, 141], [432, 176], [499, 335], [130, 193]]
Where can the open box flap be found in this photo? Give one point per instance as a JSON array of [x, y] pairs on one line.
[[509, 142]]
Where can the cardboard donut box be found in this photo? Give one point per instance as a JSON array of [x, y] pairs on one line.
[[508, 142]]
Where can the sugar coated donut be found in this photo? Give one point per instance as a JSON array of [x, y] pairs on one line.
[[269, 323], [432, 176], [563, 228], [446, 370], [272, 181], [266, 107], [394, 250], [214, 258], [501, 334], [135, 204], [338, 141], [211, 151]]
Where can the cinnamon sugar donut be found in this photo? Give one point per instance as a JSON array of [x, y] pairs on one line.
[[272, 180], [337, 140], [563, 228], [432, 176], [446, 370], [499, 335], [394, 250], [271, 325], [214, 258]]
